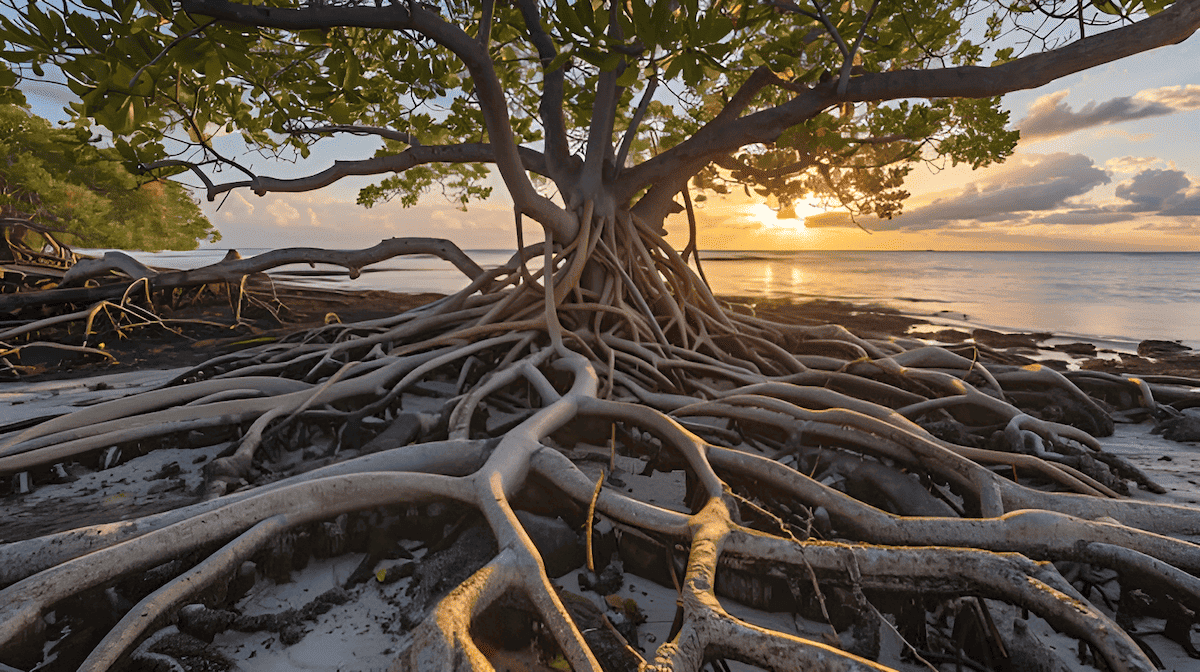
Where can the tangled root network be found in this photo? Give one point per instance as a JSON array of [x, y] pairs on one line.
[[884, 490]]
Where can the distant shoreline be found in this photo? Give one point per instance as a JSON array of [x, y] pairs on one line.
[[1120, 298]]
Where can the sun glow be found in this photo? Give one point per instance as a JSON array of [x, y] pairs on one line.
[[785, 230]]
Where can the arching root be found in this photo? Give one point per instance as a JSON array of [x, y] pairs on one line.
[[804, 452]]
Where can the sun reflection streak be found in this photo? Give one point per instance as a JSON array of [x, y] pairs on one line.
[[798, 279]]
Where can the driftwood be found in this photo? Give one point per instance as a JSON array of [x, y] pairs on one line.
[[229, 270]]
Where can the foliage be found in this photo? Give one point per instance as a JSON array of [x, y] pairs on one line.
[[168, 78], [613, 339], [59, 178]]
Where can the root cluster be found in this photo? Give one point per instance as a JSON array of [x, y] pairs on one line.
[[885, 488]]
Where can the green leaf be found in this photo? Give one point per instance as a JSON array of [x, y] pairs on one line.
[[162, 7], [659, 19], [1155, 6], [642, 21], [629, 77], [559, 61], [84, 28], [40, 21], [214, 68], [586, 16], [339, 112], [125, 9]]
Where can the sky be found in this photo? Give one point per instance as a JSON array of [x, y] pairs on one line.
[[1109, 159]]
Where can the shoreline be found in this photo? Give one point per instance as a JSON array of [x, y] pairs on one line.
[[206, 332], [1114, 300]]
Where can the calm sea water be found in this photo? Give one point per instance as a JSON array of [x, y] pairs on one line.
[[1108, 296]]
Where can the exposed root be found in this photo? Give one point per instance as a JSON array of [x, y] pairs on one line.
[[805, 453]]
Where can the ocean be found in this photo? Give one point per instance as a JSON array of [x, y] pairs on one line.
[[1118, 298]]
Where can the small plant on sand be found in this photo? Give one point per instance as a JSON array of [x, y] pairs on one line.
[[958, 479]]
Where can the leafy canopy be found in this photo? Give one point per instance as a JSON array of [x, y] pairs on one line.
[[629, 101], [59, 179]]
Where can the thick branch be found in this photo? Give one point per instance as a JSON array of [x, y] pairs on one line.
[[604, 113], [599, 145], [1171, 26], [635, 122], [531, 160], [414, 16], [669, 170], [848, 63], [551, 105]]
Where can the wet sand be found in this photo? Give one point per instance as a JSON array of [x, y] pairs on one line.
[[361, 633], [205, 332]]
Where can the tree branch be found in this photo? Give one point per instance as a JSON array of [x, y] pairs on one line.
[[390, 134], [604, 114], [485, 23], [531, 160], [631, 132], [848, 63], [731, 164], [191, 33], [550, 106], [1171, 26], [666, 172], [405, 16], [233, 268], [757, 81]]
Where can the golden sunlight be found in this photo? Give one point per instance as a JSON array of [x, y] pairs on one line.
[[789, 228]]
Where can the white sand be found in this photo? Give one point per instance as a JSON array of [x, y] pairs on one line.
[[363, 634]]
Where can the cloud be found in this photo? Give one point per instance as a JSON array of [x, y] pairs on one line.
[[1049, 116], [829, 219], [313, 220], [1025, 190], [1082, 217], [1153, 190], [236, 208], [1122, 133], [1170, 227], [1176, 97], [1169, 193], [447, 219], [1189, 206], [1132, 164], [1028, 184], [282, 212]]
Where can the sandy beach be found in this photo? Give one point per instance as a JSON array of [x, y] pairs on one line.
[[339, 619]]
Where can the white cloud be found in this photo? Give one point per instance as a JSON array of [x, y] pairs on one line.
[[236, 208], [1122, 133], [1175, 97], [1132, 164], [282, 212], [445, 219]]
